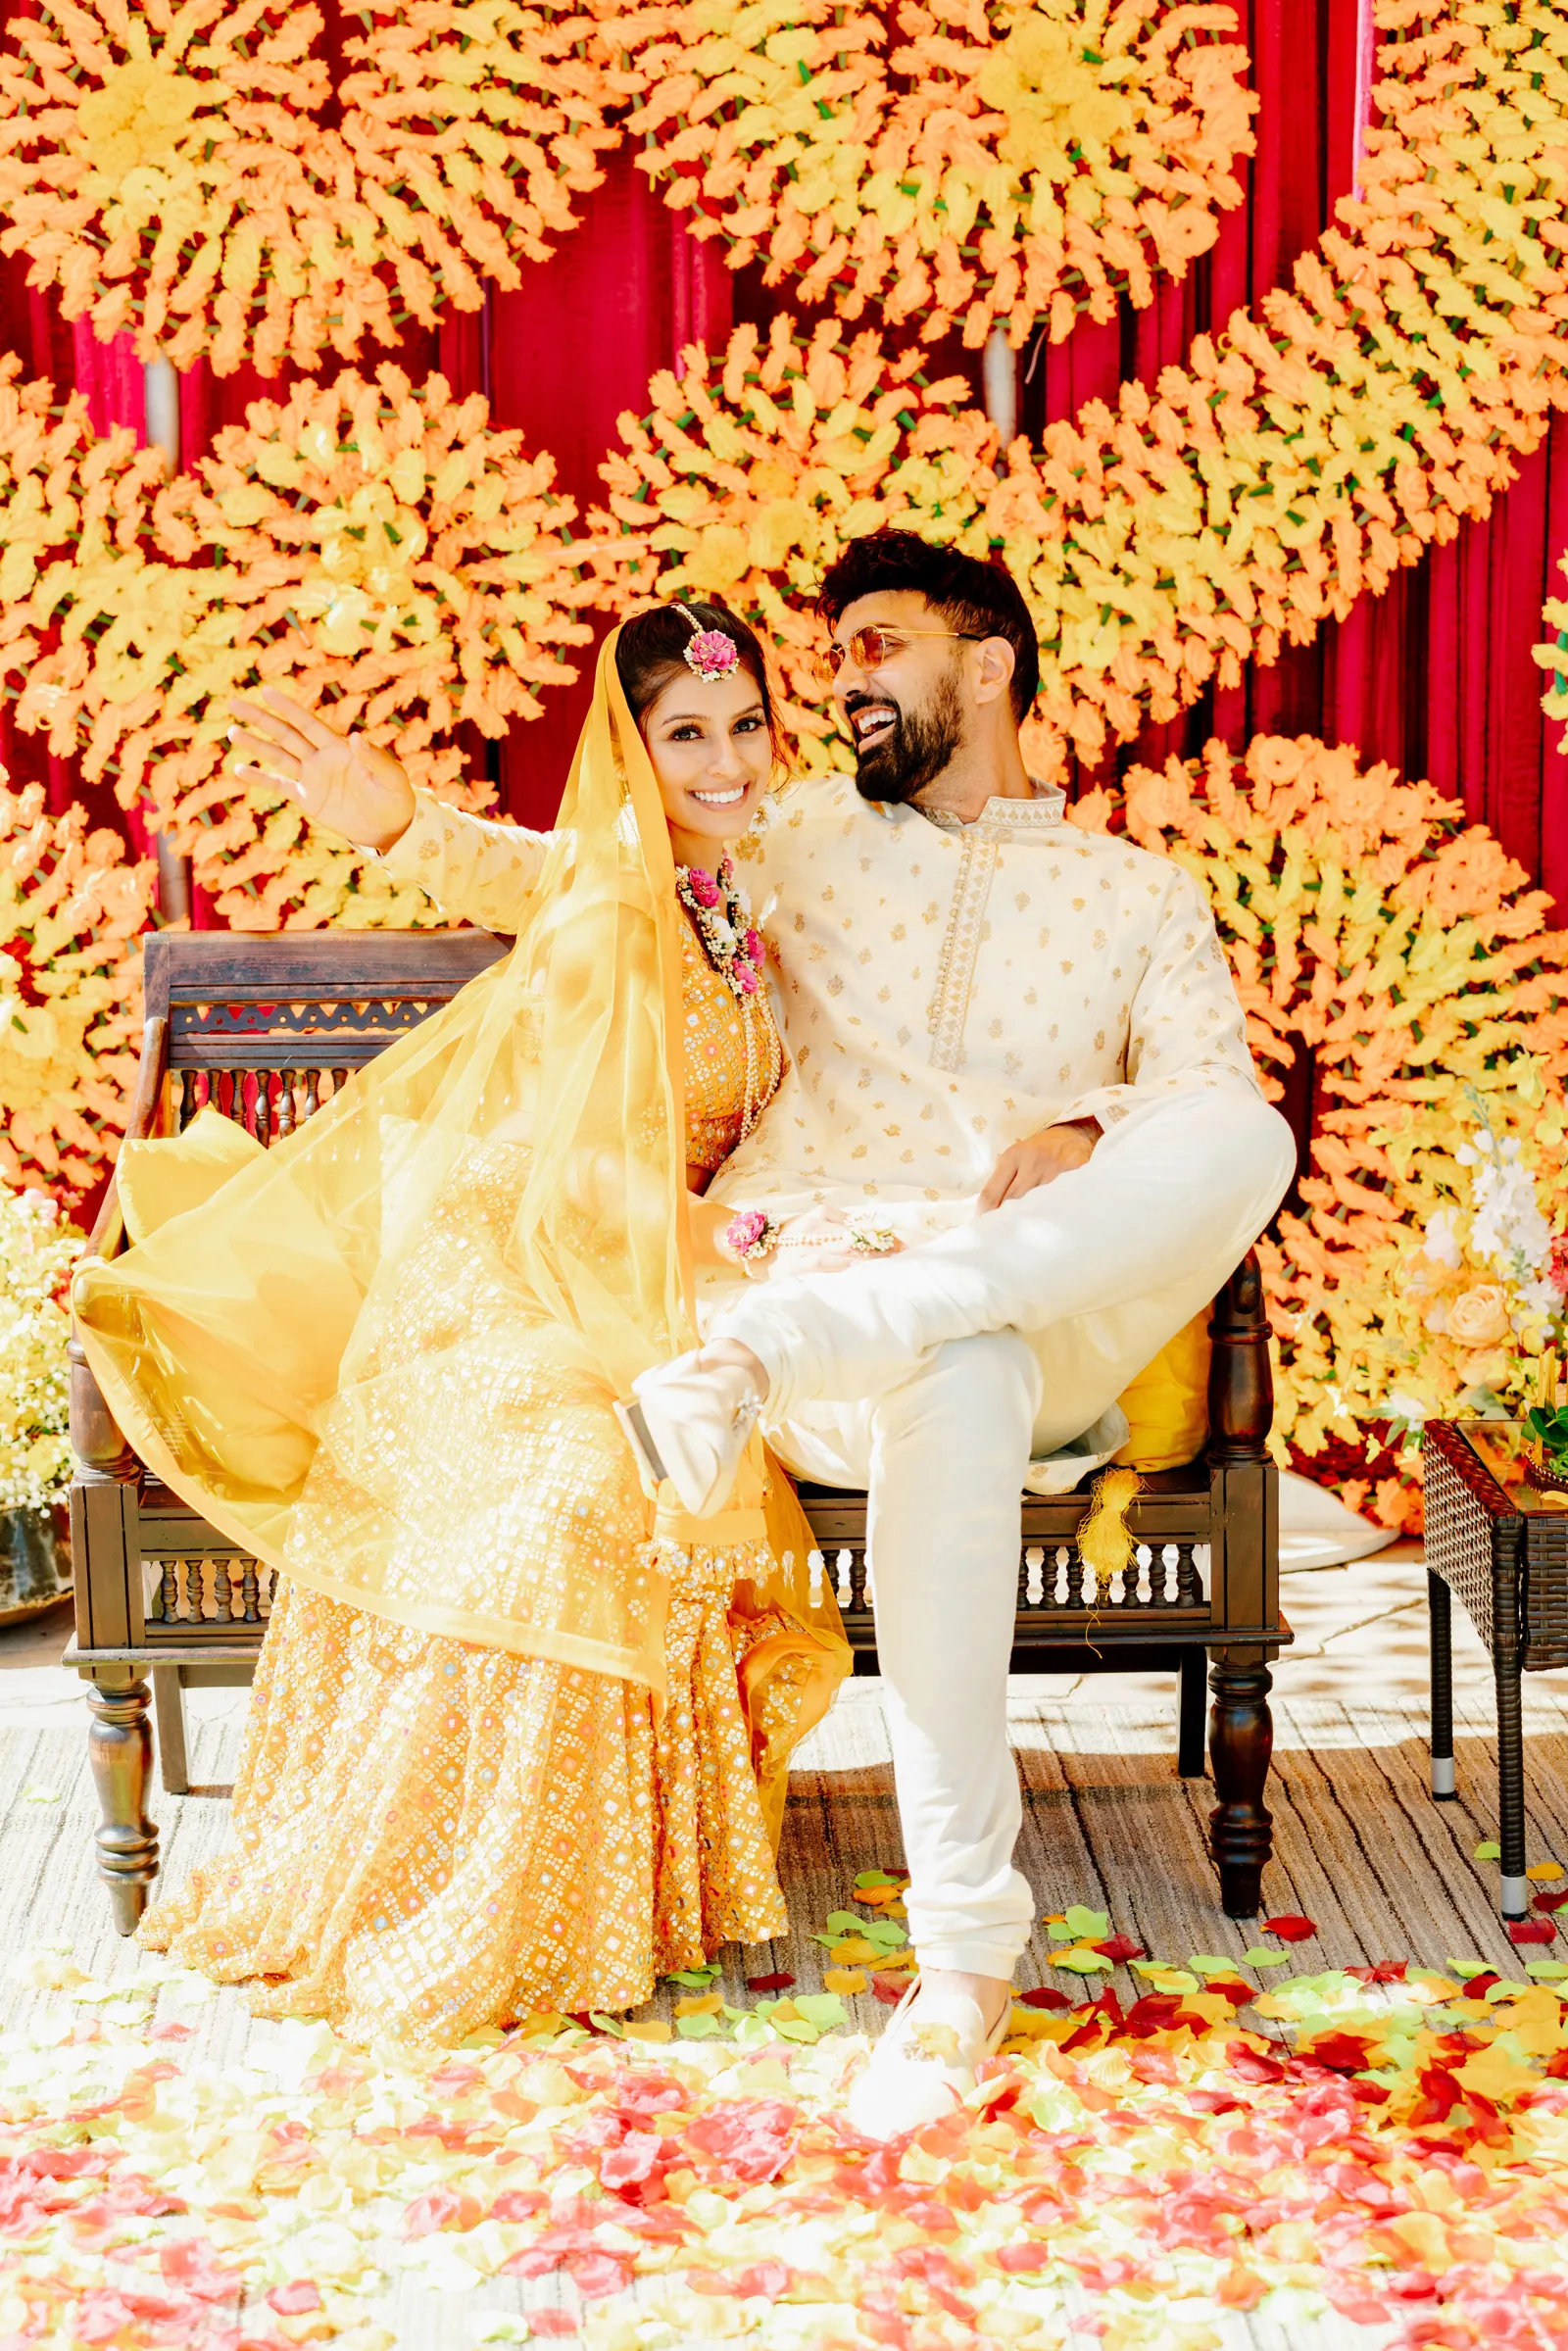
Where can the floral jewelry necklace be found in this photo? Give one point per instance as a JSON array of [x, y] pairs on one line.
[[722, 915]]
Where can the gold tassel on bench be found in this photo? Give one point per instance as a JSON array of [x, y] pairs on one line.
[[1104, 1539]]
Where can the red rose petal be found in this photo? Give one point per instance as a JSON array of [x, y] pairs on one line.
[[1291, 1927], [1043, 1996], [1531, 1930], [1118, 1948], [890, 1989], [779, 1983]]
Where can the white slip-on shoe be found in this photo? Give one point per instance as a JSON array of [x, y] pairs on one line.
[[924, 2062], [690, 1421]]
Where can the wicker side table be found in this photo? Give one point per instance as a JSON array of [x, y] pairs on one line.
[[1502, 1548]]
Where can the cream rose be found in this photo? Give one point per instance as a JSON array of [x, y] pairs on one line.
[[1479, 1315]]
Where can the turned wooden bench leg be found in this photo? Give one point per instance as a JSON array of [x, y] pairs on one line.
[[1241, 1742], [120, 1752]]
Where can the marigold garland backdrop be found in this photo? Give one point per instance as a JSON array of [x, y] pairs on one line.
[[281, 189], [369, 542], [72, 908], [1013, 166]]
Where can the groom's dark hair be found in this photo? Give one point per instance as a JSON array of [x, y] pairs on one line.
[[977, 599]]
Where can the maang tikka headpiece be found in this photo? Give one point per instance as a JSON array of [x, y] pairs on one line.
[[711, 653]]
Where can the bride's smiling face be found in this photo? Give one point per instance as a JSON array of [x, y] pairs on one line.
[[712, 756]]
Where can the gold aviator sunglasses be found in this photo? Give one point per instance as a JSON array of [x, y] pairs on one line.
[[869, 648]]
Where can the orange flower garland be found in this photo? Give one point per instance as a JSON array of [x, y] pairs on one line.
[[1372, 929], [473, 124], [752, 470], [368, 545], [1028, 164], [72, 514], [71, 911], [1249, 497], [161, 166], [166, 168]]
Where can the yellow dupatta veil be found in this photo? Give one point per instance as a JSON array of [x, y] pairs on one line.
[[475, 1246]]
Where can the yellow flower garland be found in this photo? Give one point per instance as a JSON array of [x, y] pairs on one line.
[[71, 911], [1029, 163], [166, 168], [473, 124], [363, 543], [1287, 471], [163, 166], [1371, 929]]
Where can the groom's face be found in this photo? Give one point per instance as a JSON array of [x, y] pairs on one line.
[[902, 701]]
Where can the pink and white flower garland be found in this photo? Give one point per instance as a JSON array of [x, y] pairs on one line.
[[722, 913]]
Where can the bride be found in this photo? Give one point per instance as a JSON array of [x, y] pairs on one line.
[[519, 1740]]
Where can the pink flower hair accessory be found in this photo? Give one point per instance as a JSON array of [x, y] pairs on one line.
[[713, 652]]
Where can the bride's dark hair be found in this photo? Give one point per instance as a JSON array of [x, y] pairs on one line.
[[651, 651]]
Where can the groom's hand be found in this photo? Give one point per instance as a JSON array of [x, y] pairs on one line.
[[1039, 1159]]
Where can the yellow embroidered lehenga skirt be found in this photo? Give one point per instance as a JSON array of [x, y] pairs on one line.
[[432, 1835]]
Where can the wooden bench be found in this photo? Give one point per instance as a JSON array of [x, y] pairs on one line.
[[267, 1029]]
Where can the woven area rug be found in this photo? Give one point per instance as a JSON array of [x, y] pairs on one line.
[[1349, 2128]]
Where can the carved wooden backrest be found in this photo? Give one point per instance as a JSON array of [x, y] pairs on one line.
[[267, 1029]]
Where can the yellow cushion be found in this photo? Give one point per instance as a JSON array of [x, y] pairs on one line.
[[1167, 1404], [164, 1177]]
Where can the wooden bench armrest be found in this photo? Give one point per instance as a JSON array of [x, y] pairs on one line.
[[1240, 1380]]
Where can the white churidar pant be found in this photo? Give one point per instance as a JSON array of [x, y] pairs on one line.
[[931, 1378]]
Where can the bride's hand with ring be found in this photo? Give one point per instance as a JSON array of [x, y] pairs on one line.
[[341, 782]]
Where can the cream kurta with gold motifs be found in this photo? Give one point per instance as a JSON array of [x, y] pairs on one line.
[[946, 988], [950, 988]]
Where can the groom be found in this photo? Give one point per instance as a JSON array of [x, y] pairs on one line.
[[1015, 1048]]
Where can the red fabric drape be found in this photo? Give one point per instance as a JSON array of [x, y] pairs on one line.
[[1434, 676]]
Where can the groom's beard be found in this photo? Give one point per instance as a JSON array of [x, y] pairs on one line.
[[902, 763]]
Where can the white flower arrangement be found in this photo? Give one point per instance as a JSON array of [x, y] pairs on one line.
[[37, 1252], [1481, 1298]]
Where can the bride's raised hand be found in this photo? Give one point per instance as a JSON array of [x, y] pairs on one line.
[[340, 781]]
